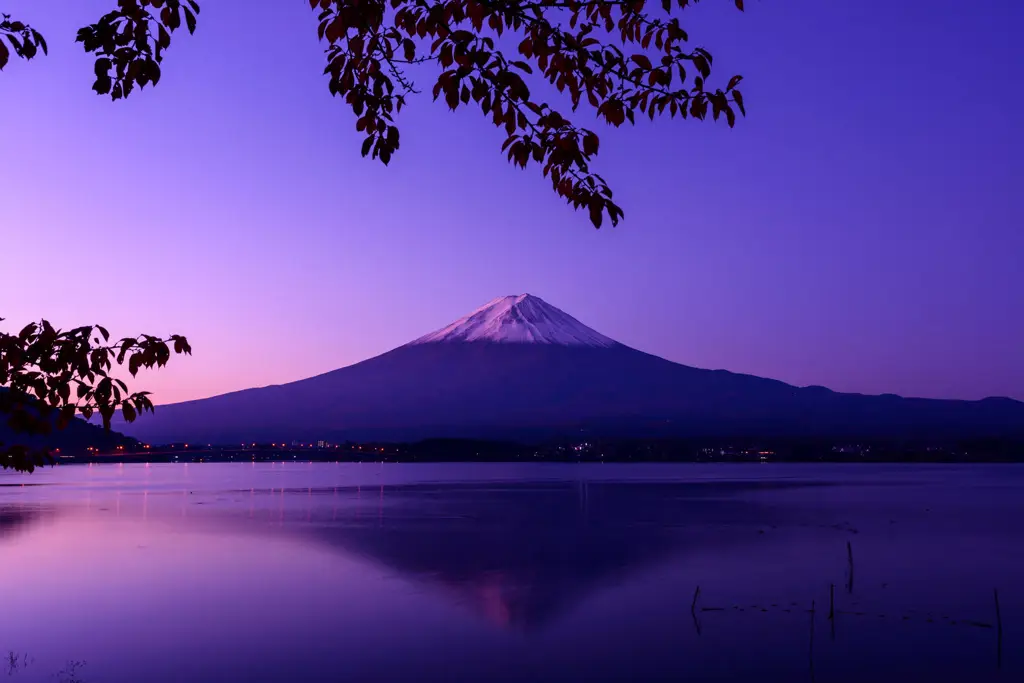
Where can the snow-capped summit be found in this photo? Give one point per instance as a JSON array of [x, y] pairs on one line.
[[519, 319]]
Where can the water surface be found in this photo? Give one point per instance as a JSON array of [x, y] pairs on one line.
[[539, 572]]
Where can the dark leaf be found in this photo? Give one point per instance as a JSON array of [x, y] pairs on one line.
[[642, 61], [738, 98], [190, 20]]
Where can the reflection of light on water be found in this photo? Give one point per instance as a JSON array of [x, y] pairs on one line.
[[492, 600]]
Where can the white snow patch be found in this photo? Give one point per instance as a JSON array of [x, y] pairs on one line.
[[519, 319]]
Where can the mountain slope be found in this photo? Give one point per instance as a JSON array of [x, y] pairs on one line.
[[518, 369]]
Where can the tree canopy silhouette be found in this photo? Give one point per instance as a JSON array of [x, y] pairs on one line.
[[49, 376], [621, 58]]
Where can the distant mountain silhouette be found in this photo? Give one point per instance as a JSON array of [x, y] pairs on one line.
[[75, 439], [520, 368]]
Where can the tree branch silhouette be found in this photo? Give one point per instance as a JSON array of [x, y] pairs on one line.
[[615, 56]]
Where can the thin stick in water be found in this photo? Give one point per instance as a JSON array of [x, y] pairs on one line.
[[693, 610]]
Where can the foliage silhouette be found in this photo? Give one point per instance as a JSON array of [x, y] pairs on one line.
[[619, 57], [49, 376]]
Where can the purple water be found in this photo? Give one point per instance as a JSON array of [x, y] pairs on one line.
[[512, 573]]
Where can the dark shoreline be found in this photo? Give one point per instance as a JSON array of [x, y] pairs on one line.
[[655, 451]]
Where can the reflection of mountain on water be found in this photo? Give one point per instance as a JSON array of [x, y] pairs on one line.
[[15, 519], [523, 553]]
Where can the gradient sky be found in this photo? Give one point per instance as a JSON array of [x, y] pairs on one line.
[[862, 228]]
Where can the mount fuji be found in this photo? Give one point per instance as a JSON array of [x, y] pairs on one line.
[[520, 368]]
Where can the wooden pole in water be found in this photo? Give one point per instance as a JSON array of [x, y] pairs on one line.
[[693, 610]]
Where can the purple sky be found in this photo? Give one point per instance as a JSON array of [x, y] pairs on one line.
[[862, 228]]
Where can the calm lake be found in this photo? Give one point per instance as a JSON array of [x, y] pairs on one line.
[[512, 573]]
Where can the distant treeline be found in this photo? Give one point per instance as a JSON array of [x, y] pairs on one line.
[[606, 450]]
